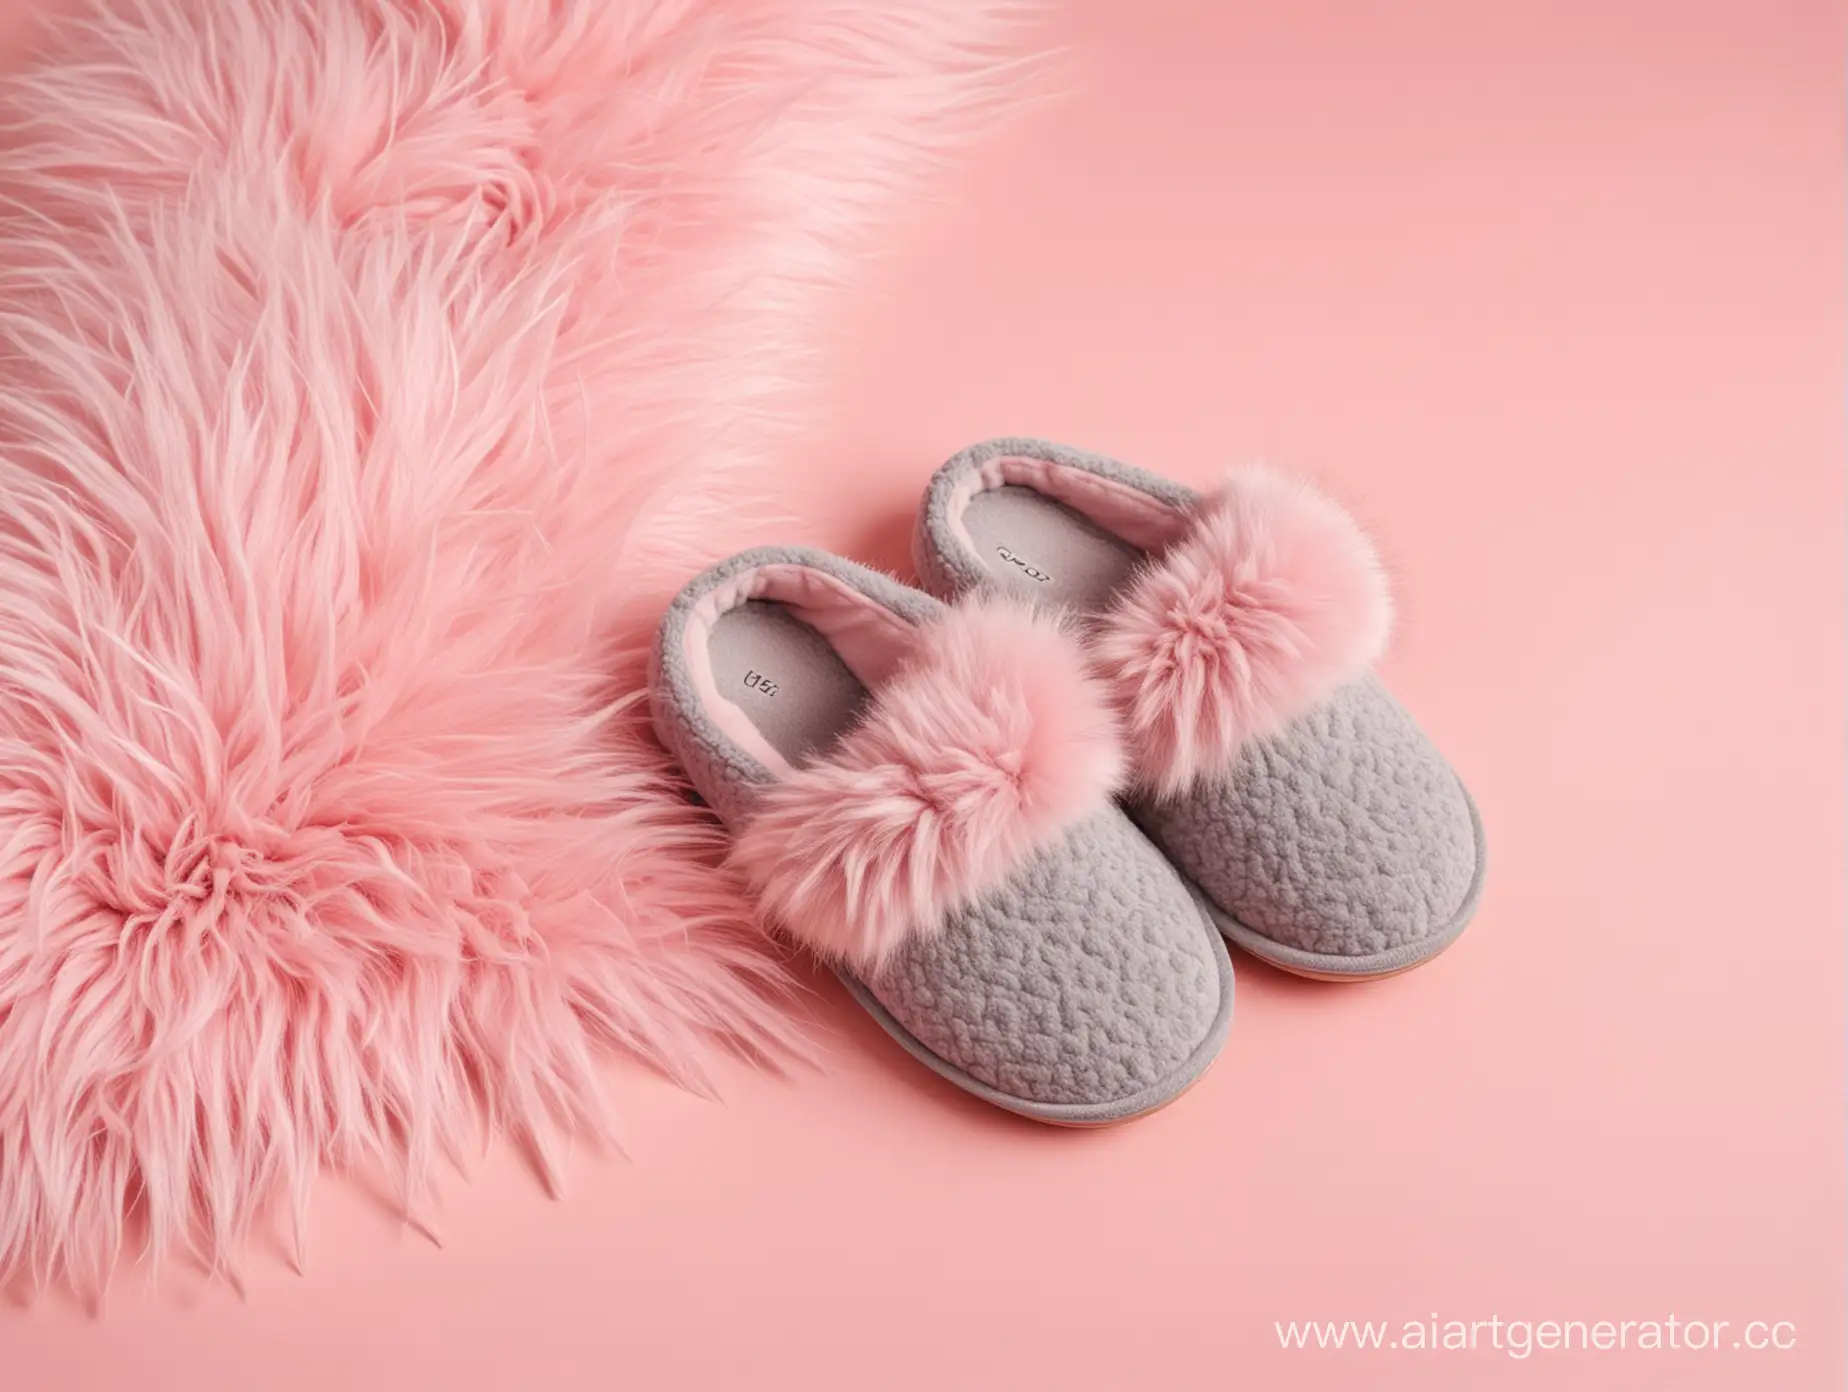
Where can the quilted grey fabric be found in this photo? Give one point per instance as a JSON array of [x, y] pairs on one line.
[[1090, 987], [1345, 846], [1085, 978], [1347, 836]]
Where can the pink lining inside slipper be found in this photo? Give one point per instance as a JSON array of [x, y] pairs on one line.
[[869, 639], [1117, 507]]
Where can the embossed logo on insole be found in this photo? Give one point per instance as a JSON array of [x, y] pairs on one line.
[[1032, 572], [757, 681]]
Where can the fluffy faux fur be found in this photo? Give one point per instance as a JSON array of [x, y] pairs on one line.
[[991, 740], [346, 342], [1272, 600]]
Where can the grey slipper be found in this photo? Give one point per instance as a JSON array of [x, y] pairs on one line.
[[1237, 632], [922, 794]]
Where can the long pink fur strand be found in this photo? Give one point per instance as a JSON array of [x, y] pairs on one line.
[[346, 343]]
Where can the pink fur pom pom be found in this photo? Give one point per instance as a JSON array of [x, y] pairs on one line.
[[1273, 599], [992, 740]]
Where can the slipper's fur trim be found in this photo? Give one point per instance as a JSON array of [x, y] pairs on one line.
[[991, 741], [1273, 599]]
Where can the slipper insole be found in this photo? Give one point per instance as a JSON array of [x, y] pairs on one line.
[[785, 676], [1042, 550]]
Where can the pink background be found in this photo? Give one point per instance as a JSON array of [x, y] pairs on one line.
[[1554, 294]]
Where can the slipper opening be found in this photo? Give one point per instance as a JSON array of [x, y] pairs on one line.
[[1054, 533], [782, 657]]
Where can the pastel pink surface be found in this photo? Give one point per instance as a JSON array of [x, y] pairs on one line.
[[1555, 298]]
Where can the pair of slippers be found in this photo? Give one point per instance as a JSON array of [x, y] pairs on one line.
[[1021, 824]]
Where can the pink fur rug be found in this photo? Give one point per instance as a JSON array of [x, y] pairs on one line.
[[346, 345]]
